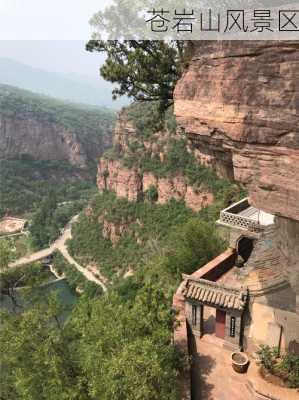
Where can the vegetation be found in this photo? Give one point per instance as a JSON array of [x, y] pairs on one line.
[[179, 161], [25, 182], [20, 246], [130, 64], [118, 345], [88, 121], [75, 279], [145, 225], [149, 230], [5, 255], [94, 354], [286, 366], [49, 219], [152, 194], [147, 119], [28, 278]]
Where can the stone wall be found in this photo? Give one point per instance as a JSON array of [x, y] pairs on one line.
[[217, 267]]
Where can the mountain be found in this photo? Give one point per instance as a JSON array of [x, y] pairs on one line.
[[47, 143], [72, 87], [49, 129]]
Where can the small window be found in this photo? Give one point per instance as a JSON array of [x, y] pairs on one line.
[[232, 326], [194, 315]]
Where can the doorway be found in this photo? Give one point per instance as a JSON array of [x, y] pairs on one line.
[[244, 248], [220, 323]]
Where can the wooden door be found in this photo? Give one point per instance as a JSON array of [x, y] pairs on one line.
[[220, 323]]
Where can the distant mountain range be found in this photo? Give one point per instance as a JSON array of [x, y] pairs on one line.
[[76, 88]]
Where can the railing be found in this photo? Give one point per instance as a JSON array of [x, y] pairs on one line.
[[230, 216], [239, 221]]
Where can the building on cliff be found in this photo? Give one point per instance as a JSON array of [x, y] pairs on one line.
[[247, 133], [243, 296]]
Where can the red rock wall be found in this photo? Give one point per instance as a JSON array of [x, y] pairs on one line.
[[131, 184], [238, 103]]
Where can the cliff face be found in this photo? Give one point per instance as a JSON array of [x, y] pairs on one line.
[[39, 140], [47, 129], [133, 183], [238, 104]]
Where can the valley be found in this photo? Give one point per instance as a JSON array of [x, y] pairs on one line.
[[173, 224]]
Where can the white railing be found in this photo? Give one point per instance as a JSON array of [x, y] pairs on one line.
[[239, 221]]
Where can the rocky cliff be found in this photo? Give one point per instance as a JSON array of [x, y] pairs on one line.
[[40, 140], [238, 104], [123, 174], [46, 129]]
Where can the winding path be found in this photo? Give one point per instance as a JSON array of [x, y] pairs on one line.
[[60, 244]]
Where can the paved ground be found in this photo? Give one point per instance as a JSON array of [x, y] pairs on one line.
[[212, 375], [10, 225], [60, 245]]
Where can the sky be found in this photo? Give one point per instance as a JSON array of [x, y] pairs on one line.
[[27, 25], [66, 57], [47, 19]]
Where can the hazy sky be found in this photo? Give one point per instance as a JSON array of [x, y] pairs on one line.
[[58, 56], [47, 19], [39, 20]]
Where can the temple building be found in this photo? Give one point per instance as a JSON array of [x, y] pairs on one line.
[[243, 296]]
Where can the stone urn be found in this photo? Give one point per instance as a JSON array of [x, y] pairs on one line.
[[240, 362]]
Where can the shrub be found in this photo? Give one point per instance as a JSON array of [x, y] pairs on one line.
[[286, 367], [152, 194], [267, 357]]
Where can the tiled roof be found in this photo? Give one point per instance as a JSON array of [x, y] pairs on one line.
[[213, 294]]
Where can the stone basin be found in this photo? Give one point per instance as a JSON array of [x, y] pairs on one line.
[[240, 362]]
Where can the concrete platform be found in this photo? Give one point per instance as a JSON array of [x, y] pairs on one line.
[[214, 379], [212, 375]]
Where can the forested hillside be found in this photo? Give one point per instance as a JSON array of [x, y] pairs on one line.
[[152, 219], [48, 144], [118, 346]]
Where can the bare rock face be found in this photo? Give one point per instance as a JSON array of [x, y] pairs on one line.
[[45, 129], [238, 104], [114, 177], [124, 131], [41, 140], [113, 232], [131, 184]]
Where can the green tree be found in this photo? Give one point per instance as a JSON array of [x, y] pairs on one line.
[[134, 357], [37, 358], [108, 349], [5, 255], [41, 228], [144, 70], [152, 194]]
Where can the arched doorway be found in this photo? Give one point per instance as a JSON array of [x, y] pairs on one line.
[[244, 248]]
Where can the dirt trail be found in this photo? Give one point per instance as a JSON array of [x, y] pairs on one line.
[[60, 244]]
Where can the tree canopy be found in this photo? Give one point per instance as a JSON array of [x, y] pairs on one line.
[[108, 349], [144, 70]]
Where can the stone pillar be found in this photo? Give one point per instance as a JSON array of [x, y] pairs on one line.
[[200, 319]]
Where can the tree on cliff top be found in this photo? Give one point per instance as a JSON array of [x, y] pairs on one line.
[[144, 70]]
